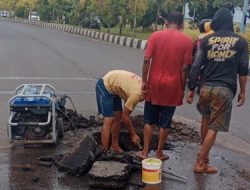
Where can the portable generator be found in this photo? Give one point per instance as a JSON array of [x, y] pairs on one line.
[[34, 115]]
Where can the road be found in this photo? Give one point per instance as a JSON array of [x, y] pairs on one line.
[[30, 54], [71, 63]]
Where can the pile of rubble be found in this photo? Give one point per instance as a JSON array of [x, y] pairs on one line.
[[80, 153]]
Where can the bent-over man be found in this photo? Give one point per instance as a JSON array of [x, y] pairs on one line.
[[111, 89]]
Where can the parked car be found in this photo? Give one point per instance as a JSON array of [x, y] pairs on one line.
[[34, 16], [95, 23], [4, 13], [91, 22]]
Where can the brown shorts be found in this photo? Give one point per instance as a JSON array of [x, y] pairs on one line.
[[217, 103]]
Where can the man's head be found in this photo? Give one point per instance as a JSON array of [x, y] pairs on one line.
[[204, 25], [175, 20], [223, 20]]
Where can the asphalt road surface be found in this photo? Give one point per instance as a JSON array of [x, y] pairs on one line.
[[31, 54], [71, 63]]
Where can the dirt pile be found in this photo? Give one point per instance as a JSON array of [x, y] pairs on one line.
[[179, 131]]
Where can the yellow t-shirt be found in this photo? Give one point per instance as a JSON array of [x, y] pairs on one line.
[[126, 85]]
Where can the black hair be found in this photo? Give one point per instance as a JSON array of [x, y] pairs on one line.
[[175, 17], [202, 25]]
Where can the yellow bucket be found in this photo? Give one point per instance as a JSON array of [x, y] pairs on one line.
[[151, 170]]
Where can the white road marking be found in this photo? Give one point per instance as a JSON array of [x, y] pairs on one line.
[[58, 92], [48, 78]]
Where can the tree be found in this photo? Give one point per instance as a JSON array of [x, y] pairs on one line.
[[199, 10], [23, 7], [107, 13], [150, 16], [120, 8], [231, 4], [137, 9], [45, 10], [176, 5], [205, 9]]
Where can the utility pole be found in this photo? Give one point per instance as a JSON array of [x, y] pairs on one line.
[[244, 14]]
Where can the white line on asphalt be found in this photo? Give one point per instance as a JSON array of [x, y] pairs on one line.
[[47, 78], [80, 92], [58, 92]]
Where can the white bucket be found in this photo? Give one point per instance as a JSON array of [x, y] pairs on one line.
[[151, 170]]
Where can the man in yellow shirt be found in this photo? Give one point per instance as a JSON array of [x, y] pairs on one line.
[[111, 89]]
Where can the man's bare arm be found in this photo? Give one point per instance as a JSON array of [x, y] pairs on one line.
[[128, 124], [242, 94], [184, 76], [145, 70]]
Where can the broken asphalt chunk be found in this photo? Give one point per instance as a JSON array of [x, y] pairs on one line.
[[80, 158], [109, 174]]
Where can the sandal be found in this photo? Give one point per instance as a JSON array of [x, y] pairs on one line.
[[163, 157], [205, 169], [140, 156]]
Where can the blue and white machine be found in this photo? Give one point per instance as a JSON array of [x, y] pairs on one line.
[[34, 116]]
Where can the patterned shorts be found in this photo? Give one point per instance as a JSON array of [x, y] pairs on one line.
[[216, 102]]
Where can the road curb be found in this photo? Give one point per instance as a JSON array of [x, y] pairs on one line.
[[110, 38]]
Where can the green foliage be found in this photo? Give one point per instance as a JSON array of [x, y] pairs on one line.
[[205, 9], [176, 5], [201, 10], [45, 10], [137, 9], [122, 13], [109, 17], [227, 3], [150, 15]]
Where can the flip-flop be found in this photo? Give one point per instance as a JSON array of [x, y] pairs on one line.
[[117, 151], [163, 157], [139, 155], [206, 169]]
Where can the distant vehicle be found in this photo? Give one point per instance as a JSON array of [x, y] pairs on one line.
[[4, 13], [95, 23], [34, 16], [91, 22]]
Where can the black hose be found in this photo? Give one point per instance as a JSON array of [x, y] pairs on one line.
[[72, 104], [75, 128]]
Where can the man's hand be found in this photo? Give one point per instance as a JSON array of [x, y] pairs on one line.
[[144, 87], [135, 139], [190, 97], [241, 99]]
